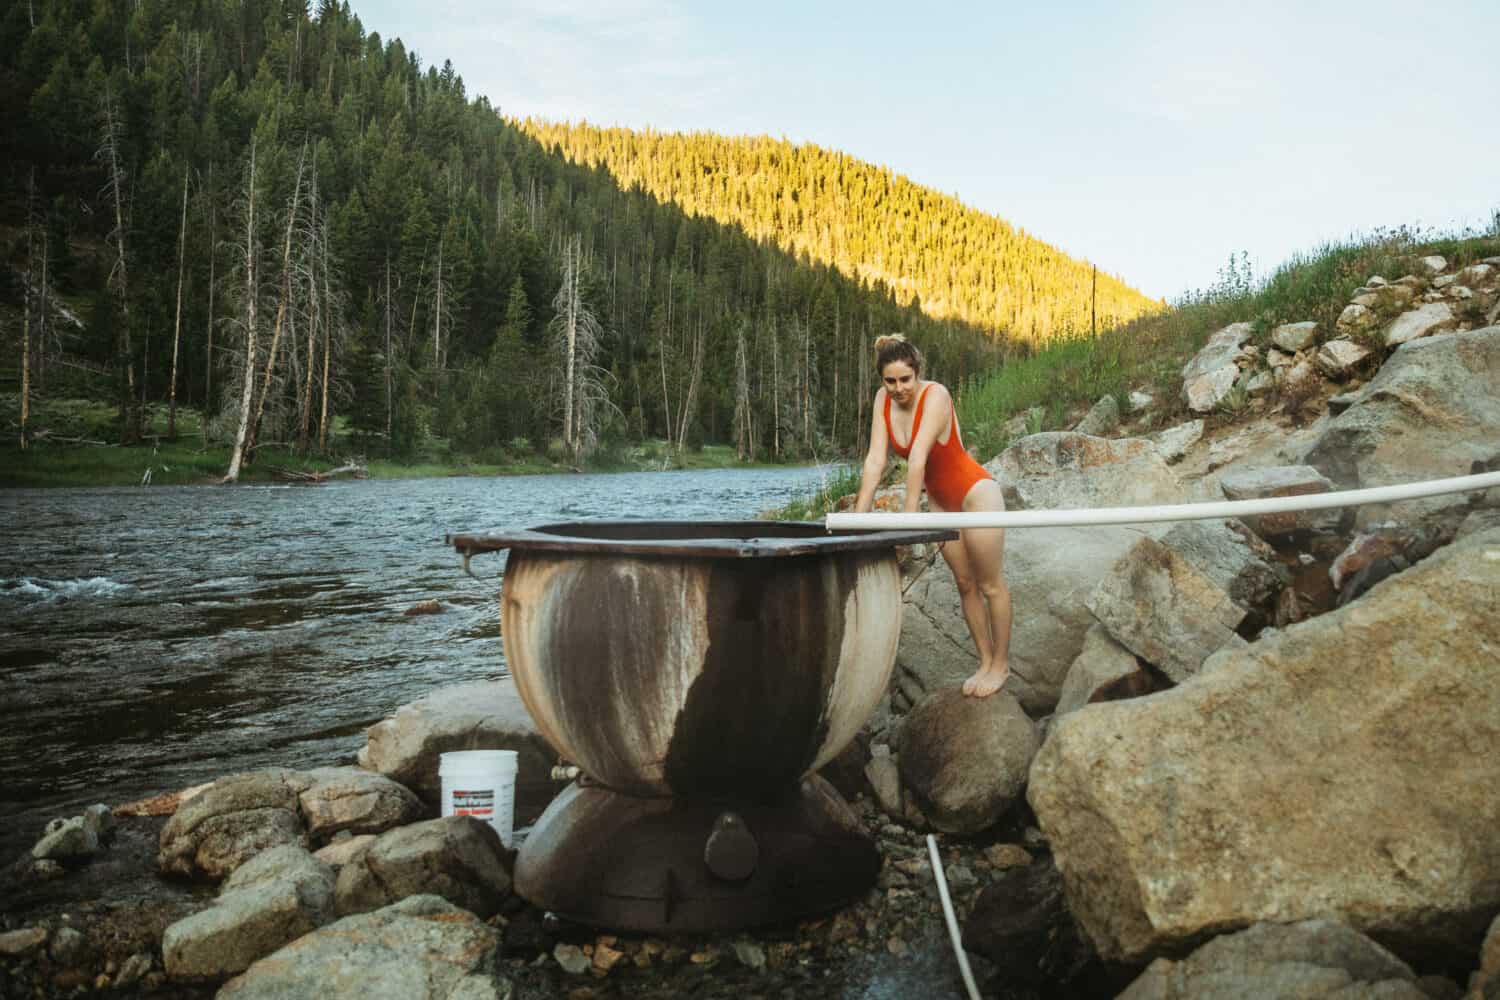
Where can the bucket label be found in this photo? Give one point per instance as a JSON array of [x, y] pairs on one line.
[[475, 802]]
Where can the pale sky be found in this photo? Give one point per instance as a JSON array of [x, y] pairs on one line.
[[1153, 139]]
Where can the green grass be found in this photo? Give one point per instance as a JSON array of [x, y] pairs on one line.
[[1069, 375], [840, 484]]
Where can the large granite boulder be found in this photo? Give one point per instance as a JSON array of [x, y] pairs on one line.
[[1210, 376], [1343, 768], [422, 948], [274, 898], [1176, 601], [458, 858], [235, 819], [1103, 671], [964, 760], [1060, 469], [477, 715], [1312, 960], [356, 800], [1431, 412], [1049, 571]]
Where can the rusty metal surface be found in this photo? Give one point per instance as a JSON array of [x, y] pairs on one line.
[[693, 539], [617, 861], [711, 680]]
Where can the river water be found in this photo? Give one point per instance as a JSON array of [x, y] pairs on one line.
[[155, 638]]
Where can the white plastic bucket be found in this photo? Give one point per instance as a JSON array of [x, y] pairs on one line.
[[482, 784]]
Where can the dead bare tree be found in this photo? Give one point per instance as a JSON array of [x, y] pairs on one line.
[[743, 422], [177, 328], [109, 153], [26, 312], [283, 305], [252, 293], [576, 341], [695, 376], [213, 257]]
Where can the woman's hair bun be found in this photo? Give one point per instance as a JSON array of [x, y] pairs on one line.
[[885, 340]]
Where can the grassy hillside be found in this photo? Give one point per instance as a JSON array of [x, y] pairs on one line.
[[1066, 377]]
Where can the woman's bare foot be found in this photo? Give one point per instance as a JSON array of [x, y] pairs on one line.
[[986, 681]]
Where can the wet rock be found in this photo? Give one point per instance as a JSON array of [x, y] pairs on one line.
[[1208, 378], [270, 900], [1282, 481], [572, 959], [234, 820], [1434, 317], [1102, 418], [1103, 669], [458, 858], [422, 948], [478, 715], [1066, 470], [425, 608], [1312, 959], [1173, 443], [14, 944], [164, 804], [1230, 801], [67, 839], [68, 947], [353, 799], [1021, 923], [1294, 337], [964, 760], [1049, 571]]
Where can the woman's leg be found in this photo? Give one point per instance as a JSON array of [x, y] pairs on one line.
[[984, 553]]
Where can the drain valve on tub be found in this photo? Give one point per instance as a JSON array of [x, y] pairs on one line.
[[731, 852]]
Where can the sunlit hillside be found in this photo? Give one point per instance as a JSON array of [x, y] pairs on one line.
[[867, 222]]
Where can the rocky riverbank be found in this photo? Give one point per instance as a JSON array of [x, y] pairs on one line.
[[1250, 758]]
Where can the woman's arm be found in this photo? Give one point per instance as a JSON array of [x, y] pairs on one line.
[[936, 412], [874, 467]]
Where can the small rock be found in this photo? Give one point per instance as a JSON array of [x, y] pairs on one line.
[[1435, 264], [133, 971], [425, 608], [1376, 281], [1355, 318], [99, 819], [1139, 401], [1294, 337], [605, 958], [572, 959], [961, 877], [1338, 358], [42, 870], [750, 954], [22, 942], [67, 838], [896, 946], [67, 946], [1006, 856]]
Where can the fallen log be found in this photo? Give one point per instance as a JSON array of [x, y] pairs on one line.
[[299, 476]]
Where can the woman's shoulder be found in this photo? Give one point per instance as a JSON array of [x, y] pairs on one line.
[[935, 391]]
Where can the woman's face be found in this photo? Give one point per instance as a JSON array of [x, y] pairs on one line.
[[900, 382]]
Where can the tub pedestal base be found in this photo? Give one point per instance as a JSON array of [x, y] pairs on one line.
[[606, 859]]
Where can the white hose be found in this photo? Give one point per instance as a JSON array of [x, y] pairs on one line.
[[952, 921], [1166, 512]]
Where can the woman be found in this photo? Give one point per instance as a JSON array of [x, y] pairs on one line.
[[919, 412]]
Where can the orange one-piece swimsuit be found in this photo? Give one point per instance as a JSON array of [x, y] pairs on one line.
[[951, 471]]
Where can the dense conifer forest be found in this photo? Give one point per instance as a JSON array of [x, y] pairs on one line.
[[864, 220], [259, 209]]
